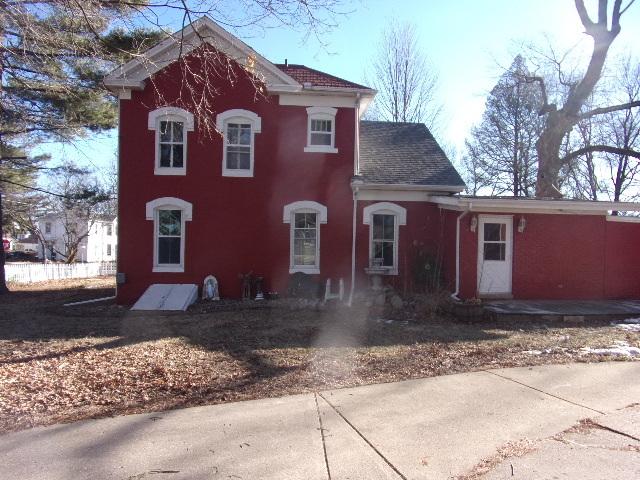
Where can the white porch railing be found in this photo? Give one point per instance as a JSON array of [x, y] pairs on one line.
[[41, 272]]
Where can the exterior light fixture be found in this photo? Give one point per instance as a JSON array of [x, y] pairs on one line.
[[522, 224], [474, 223]]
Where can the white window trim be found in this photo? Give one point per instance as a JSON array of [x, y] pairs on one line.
[[304, 206], [400, 214], [168, 203], [169, 114], [238, 115], [321, 113]]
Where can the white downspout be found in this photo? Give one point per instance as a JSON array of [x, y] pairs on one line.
[[356, 171], [455, 294]]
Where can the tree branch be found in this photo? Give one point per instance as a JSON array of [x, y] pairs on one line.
[[612, 108], [600, 148]]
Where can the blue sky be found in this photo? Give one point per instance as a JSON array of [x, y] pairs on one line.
[[468, 42]]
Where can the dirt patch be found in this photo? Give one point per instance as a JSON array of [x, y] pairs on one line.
[[60, 364], [508, 450]]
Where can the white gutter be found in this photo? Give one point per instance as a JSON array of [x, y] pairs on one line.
[[455, 294], [356, 170], [409, 187], [524, 205]]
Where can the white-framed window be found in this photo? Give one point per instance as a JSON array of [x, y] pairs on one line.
[[238, 128], [109, 229], [47, 227], [321, 130], [384, 220], [171, 125], [169, 216], [305, 218], [108, 249]]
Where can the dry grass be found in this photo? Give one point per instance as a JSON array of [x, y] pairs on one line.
[[61, 364]]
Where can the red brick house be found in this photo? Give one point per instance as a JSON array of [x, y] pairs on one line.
[[297, 182]]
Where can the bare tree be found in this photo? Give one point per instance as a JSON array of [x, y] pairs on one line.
[[559, 121], [623, 128], [405, 80], [54, 54], [501, 148], [78, 205]]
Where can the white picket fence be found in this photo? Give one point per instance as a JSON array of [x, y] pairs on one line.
[[40, 272]]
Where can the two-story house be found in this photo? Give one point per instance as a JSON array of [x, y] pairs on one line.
[[295, 181], [97, 237]]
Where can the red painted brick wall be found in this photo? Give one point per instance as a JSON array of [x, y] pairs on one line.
[[563, 257], [237, 222], [622, 267], [424, 231]]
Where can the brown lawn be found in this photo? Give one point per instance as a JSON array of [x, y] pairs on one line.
[[59, 364]]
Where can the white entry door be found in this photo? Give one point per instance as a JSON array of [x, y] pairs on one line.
[[495, 252]]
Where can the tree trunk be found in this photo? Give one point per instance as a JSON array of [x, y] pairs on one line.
[[3, 281], [549, 161], [560, 121]]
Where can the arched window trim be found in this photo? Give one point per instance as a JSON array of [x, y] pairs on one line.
[[152, 213], [175, 114], [288, 216], [400, 218], [238, 115]]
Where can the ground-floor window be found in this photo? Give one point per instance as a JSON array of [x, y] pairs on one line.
[[384, 220], [169, 237], [169, 216], [383, 241], [305, 239], [305, 218]]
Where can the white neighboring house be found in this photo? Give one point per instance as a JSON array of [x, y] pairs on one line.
[[26, 243], [100, 245]]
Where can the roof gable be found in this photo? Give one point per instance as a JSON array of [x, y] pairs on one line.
[[132, 74], [404, 154]]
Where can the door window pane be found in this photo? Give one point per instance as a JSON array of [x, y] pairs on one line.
[[495, 232], [494, 251]]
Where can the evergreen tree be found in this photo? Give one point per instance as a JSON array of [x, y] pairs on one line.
[[502, 147]]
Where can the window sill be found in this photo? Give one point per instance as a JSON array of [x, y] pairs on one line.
[[320, 149], [170, 171], [309, 270], [168, 269], [237, 173], [381, 271]]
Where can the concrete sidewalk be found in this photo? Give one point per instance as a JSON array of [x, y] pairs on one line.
[[433, 428]]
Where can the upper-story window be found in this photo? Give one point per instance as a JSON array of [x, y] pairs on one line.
[[109, 229], [321, 130], [171, 125], [47, 227], [238, 128]]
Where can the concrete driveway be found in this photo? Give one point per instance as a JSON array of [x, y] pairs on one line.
[[434, 428]]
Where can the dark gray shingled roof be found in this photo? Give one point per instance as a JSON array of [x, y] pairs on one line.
[[403, 153]]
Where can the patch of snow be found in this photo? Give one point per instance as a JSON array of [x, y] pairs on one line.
[[533, 352], [632, 320], [619, 348], [630, 325]]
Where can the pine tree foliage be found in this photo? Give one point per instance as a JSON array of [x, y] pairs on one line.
[[501, 152]]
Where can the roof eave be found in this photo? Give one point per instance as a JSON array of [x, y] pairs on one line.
[[360, 185], [534, 204]]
